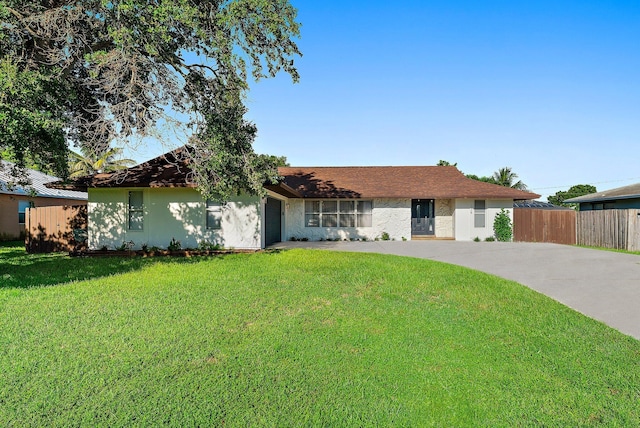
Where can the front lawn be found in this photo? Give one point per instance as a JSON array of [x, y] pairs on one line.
[[298, 338]]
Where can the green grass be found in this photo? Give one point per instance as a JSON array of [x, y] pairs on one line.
[[615, 250], [299, 338]]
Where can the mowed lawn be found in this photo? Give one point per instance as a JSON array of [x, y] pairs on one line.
[[298, 338]]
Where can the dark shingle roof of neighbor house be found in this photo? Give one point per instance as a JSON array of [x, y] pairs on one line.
[[419, 182], [37, 187], [627, 192]]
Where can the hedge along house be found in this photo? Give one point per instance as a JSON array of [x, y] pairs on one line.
[[14, 199], [156, 201]]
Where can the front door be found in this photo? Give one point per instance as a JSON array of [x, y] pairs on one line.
[[423, 219], [273, 221]]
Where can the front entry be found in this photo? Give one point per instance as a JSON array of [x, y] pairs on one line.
[[273, 221], [423, 218]]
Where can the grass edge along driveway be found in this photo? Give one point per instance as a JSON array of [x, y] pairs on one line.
[[303, 337]]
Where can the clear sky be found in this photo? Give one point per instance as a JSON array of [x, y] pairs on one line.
[[548, 88]]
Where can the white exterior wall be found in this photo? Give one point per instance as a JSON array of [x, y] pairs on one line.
[[172, 213], [464, 218], [389, 215]]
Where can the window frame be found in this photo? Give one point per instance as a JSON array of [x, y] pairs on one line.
[[22, 210], [213, 207], [346, 211], [479, 213], [132, 210]]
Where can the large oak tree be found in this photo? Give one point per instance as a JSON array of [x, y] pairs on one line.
[[94, 72]]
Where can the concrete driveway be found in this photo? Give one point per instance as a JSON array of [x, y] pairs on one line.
[[603, 285]]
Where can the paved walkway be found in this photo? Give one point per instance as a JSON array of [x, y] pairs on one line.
[[601, 284]]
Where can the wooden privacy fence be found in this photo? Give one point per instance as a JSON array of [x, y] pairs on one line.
[[619, 229], [56, 228], [544, 225]]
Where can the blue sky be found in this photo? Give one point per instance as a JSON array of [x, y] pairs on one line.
[[549, 89]]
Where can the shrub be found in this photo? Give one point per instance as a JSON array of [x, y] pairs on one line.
[[489, 239], [385, 236], [476, 239], [174, 245], [208, 246], [502, 227]]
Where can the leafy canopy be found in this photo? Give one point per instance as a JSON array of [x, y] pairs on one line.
[[94, 72], [573, 192]]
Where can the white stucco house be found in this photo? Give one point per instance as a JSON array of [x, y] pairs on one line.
[[155, 201]]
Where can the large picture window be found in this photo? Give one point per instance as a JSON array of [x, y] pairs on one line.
[[136, 210], [338, 213], [214, 215]]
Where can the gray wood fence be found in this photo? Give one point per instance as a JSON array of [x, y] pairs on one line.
[[618, 229]]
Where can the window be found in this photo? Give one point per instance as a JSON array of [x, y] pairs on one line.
[[338, 213], [365, 209], [136, 210], [347, 214], [214, 215], [22, 209], [478, 215], [312, 213]]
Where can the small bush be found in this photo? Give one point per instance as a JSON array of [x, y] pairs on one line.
[[208, 246], [174, 245], [489, 239], [476, 239], [385, 236], [502, 227]]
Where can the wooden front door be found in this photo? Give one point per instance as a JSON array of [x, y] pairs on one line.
[[423, 219]]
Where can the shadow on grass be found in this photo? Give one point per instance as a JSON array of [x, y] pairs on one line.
[[21, 270]]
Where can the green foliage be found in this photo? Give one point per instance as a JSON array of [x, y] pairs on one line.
[[298, 338], [446, 163], [502, 227], [502, 177], [174, 245], [385, 236], [489, 239], [483, 179], [31, 119], [573, 192], [90, 162], [92, 73], [208, 246], [507, 178]]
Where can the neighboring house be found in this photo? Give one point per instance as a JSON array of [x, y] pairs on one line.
[[610, 219], [156, 201], [627, 197], [14, 200]]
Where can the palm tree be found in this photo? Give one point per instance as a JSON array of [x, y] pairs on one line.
[[506, 177], [89, 162]]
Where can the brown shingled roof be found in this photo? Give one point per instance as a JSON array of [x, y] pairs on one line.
[[417, 182], [168, 170]]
